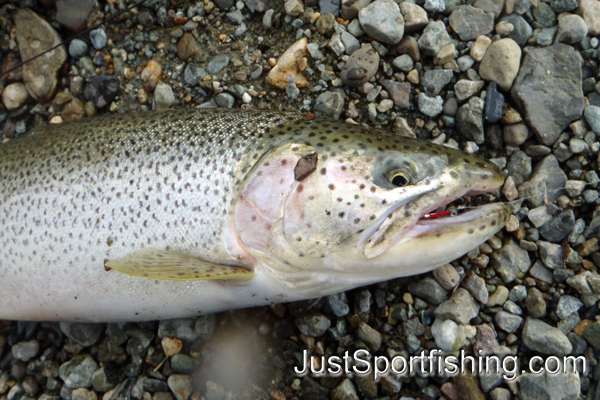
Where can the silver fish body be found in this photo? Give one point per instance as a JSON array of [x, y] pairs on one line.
[[222, 187]]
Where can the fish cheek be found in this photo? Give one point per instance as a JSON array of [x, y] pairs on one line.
[[304, 213], [260, 203]]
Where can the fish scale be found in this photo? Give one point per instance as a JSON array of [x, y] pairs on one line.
[[150, 193]]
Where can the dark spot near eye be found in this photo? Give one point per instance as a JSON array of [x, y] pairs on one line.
[[485, 176], [343, 167], [300, 188], [384, 202], [438, 234], [341, 215], [493, 223], [480, 165], [254, 218], [482, 227], [305, 166], [356, 220], [331, 186], [454, 174], [373, 190], [323, 171], [362, 186], [470, 231], [466, 161], [339, 199], [311, 197], [372, 217]]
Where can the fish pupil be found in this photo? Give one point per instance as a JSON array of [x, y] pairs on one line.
[[399, 180]]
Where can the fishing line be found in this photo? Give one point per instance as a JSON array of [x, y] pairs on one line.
[[72, 37]]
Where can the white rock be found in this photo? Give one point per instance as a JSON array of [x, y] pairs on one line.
[[14, 96]]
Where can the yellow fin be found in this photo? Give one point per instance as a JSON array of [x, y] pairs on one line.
[[172, 265]]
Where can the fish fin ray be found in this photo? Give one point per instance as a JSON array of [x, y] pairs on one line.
[[173, 265]]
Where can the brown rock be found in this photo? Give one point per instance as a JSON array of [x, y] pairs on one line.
[[35, 35], [415, 18], [350, 8], [408, 45], [485, 341], [288, 66], [74, 110], [15, 75], [151, 75], [171, 345], [510, 115], [187, 47], [398, 91]]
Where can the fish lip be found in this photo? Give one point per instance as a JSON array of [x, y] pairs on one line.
[[421, 221], [376, 225]]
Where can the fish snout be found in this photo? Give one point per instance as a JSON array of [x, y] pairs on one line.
[[478, 174]]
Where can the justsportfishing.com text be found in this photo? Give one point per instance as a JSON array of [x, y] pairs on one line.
[[362, 363]]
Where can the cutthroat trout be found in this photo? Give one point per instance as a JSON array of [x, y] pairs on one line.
[[179, 213]]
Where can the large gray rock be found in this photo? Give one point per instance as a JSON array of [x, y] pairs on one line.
[[434, 37], [559, 226], [470, 22], [382, 21], [548, 112], [434, 80], [541, 337], [469, 120], [546, 178], [511, 261], [461, 307], [429, 290]]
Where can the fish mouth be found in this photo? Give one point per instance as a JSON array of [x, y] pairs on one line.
[[447, 215]]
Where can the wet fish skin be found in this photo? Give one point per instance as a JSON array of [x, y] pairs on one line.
[[219, 186]]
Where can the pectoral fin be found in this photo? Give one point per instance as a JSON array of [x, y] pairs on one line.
[[173, 265]]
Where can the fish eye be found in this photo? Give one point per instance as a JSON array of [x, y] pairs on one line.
[[398, 179]]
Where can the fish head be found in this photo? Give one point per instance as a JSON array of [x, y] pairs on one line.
[[360, 214]]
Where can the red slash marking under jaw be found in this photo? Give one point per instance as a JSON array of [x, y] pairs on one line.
[[437, 214]]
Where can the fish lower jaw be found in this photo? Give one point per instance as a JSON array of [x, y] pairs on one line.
[[468, 216]]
